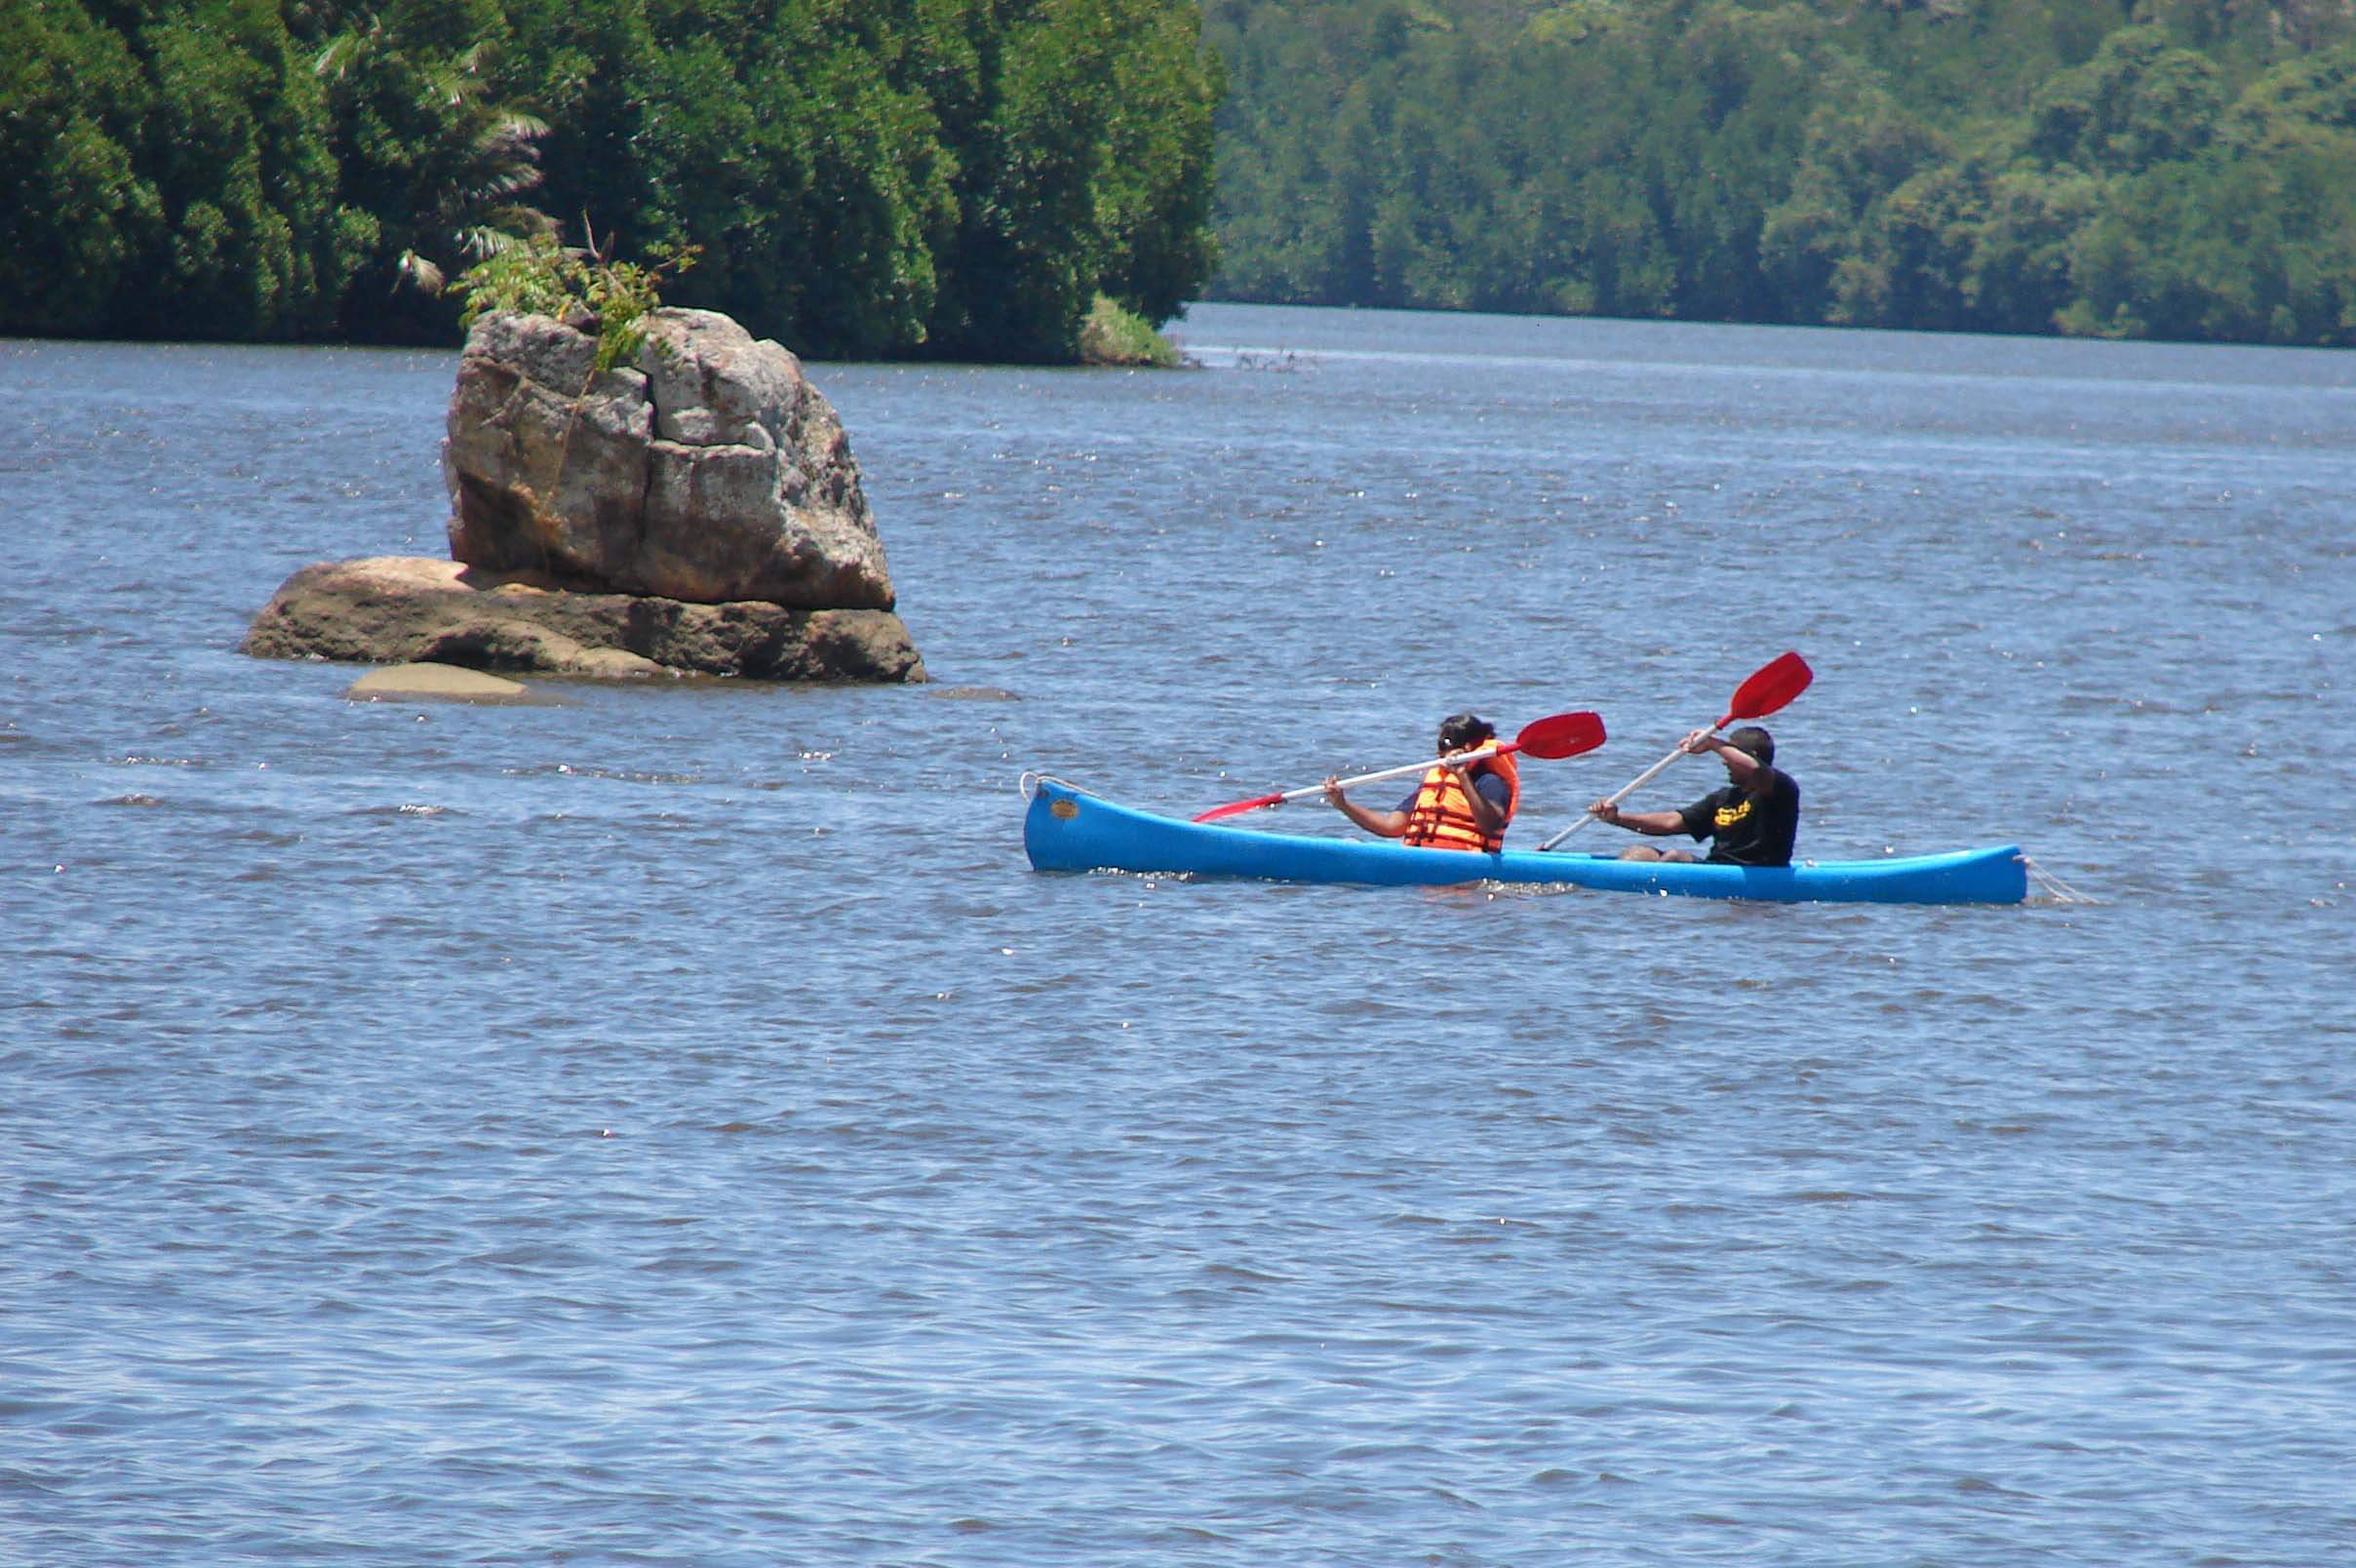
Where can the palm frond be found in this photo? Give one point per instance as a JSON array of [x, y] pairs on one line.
[[342, 54], [496, 182], [517, 125], [484, 240], [417, 272]]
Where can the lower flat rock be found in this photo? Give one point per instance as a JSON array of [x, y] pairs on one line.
[[437, 682], [413, 610]]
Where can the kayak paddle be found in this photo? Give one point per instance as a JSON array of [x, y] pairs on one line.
[[1771, 686], [1563, 734]]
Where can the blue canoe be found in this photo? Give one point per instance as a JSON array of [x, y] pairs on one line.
[[1068, 829]]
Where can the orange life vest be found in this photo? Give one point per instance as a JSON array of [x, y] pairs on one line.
[[1440, 817]]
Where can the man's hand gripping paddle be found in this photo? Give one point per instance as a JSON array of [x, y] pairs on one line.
[[1563, 734], [1770, 687]]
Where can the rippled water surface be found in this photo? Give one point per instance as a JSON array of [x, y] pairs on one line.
[[675, 1125]]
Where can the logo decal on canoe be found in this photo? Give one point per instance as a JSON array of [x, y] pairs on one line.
[[1062, 810]]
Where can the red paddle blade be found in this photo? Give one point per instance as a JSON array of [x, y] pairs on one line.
[[1238, 807], [1769, 688], [1565, 734]]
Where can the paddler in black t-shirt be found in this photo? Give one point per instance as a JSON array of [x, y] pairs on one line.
[[1750, 822]]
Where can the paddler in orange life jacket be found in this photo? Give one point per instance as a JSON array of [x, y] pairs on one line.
[[1455, 806]]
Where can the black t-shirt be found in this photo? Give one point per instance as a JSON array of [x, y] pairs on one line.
[[1746, 831]]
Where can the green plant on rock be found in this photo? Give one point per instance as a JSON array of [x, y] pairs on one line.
[[538, 275]]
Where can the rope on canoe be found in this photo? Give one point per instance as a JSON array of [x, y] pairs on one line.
[[2053, 887], [1029, 782]]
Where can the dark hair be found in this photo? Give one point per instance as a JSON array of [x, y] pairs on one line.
[[1753, 739], [1461, 731]]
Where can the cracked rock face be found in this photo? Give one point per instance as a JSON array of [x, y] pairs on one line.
[[709, 471], [696, 512]]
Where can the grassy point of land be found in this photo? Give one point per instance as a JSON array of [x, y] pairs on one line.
[[1112, 335]]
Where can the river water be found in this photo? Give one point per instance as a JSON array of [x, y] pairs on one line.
[[676, 1125]]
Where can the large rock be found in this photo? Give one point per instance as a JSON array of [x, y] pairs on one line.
[[413, 610], [709, 471], [697, 512]]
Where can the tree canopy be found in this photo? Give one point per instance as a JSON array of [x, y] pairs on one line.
[[963, 177], [861, 177], [2181, 169]]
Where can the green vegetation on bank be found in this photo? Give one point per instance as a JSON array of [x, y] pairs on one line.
[[1112, 335], [2178, 169], [964, 178], [857, 177]]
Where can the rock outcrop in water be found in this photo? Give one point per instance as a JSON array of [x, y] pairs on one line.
[[698, 511]]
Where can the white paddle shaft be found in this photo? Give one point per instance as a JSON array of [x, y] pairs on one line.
[[1770, 687], [1624, 791], [1454, 759]]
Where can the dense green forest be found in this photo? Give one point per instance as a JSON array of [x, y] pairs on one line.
[[963, 177], [2181, 169], [953, 177]]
